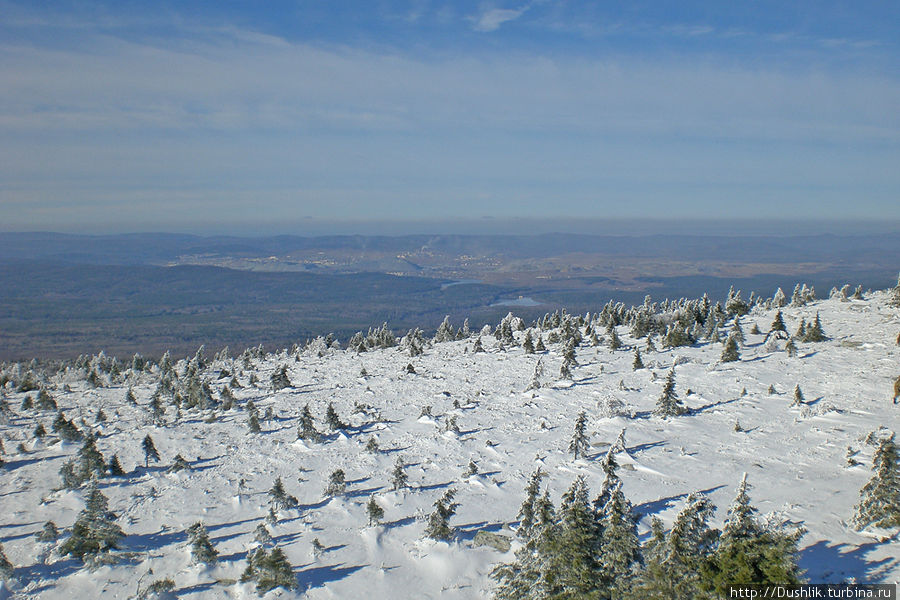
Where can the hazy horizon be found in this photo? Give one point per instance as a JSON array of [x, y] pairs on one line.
[[500, 226]]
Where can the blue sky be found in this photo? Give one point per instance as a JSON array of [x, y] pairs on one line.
[[270, 116]]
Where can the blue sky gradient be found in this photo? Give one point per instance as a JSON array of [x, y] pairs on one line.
[[269, 116]]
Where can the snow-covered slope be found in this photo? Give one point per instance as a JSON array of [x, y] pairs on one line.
[[795, 458]]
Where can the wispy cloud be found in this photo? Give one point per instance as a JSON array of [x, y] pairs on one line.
[[491, 19]]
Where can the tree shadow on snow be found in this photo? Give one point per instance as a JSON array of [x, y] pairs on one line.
[[364, 492], [196, 588], [52, 572], [399, 522], [319, 576], [655, 506], [821, 556], [705, 407], [141, 542], [641, 447], [433, 486], [11, 465]]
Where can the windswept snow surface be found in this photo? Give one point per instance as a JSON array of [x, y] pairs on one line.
[[795, 458]]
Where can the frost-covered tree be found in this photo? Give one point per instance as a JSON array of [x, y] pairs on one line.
[[778, 323], [894, 298], [49, 532], [95, 532], [578, 445], [202, 550], [6, 567], [279, 498], [332, 419], [613, 338], [619, 548], [749, 551], [150, 451], [253, 423], [398, 475], [179, 463], [269, 569], [438, 527], [114, 467], [536, 376], [374, 511], [730, 353], [528, 512], [306, 430], [261, 535], [638, 362], [779, 300], [280, 379], [879, 503], [572, 555], [90, 460], [527, 577], [669, 404], [798, 396], [337, 483], [528, 343], [791, 348], [673, 562], [814, 332], [737, 332]]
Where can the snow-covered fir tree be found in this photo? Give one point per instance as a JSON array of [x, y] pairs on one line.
[[374, 512], [269, 569], [150, 451], [279, 498], [202, 550], [398, 475], [306, 430], [6, 567], [749, 551], [95, 532], [438, 527], [730, 353], [337, 483], [579, 445], [879, 503], [333, 420], [669, 404], [638, 362], [673, 561]]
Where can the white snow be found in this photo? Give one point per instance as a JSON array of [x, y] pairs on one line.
[[795, 458]]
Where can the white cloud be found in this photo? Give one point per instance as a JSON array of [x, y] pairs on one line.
[[491, 19]]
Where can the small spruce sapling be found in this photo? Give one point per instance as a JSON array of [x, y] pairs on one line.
[[150, 452], [438, 527], [879, 503], [337, 483], [669, 404], [730, 353], [374, 511], [798, 396], [202, 550], [49, 532], [398, 475], [306, 430], [333, 420], [578, 446], [638, 362]]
